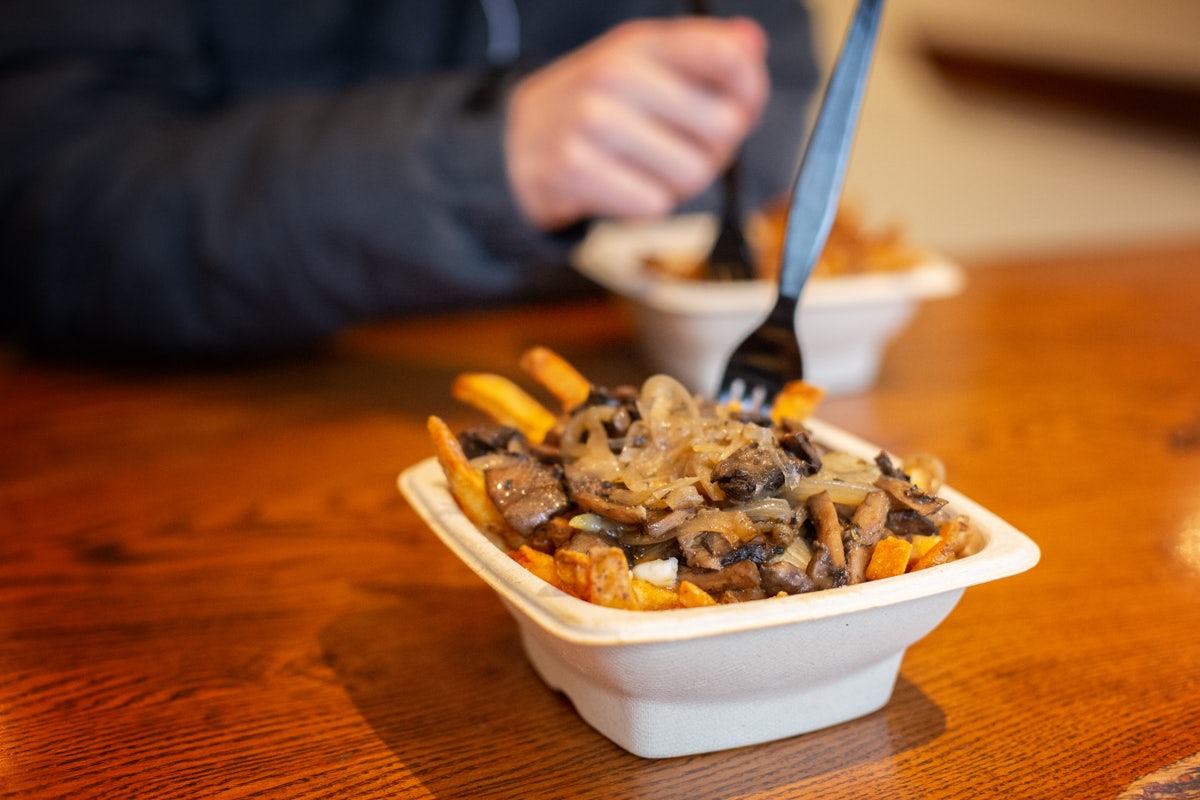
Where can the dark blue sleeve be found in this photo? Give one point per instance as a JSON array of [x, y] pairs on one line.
[[139, 213], [144, 206]]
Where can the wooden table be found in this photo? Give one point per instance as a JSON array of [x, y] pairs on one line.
[[210, 587]]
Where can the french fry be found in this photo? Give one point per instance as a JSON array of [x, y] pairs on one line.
[[941, 552], [574, 573], [889, 558], [796, 401], [852, 248], [504, 402], [612, 585], [539, 563], [920, 546], [676, 265], [602, 578], [692, 596], [651, 597], [468, 486], [558, 375]]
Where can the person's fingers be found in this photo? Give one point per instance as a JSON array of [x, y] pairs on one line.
[[635, 122], [692, 110], [641, 143], [726, 56], [615, 162], [705, 77], [615, 188], [581, 179]]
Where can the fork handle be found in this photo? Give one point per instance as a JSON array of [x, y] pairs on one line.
[[818, 187]]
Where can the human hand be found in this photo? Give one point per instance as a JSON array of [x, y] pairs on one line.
[[635, 122]]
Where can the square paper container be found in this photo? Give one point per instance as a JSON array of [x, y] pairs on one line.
[[685, 681], [689, 328]]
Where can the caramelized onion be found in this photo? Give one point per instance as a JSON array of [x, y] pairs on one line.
[[798, 553], [732, 522], [773, 508], [847, 478], [585, 440], [595, 523]]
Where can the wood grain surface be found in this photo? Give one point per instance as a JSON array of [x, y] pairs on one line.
[[210, 587]]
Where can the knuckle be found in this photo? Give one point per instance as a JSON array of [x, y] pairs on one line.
[[601, 77], [592, 115]]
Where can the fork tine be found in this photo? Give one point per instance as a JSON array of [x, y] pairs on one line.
[[734, 392], [770, 356], [766, 360]]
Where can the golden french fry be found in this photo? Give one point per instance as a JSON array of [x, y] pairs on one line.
[[504, 402], [539, 563], [612, 585], [796, 401], [558, 375], [692, 596], [468, 486], [920, 546], [574, 573], [889, 558], [652, 597], [941, 552], [675, 265]]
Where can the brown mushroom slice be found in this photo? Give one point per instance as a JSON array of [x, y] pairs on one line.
[[822, 570], [785, 577], [798, 442], [587, 490], [829, 528], [866, 528], [738, 582], [707, 549], [910, 496], [711, 535], [751, 471], [870, 517], [857, 560], [630, 515], [528, 493]]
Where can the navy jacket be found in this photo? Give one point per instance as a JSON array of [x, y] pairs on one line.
[[232, 175]]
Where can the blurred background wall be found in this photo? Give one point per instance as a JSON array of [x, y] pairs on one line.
[[993, 129]]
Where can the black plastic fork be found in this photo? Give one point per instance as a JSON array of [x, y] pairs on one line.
[[770, 356], [730, 258]]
